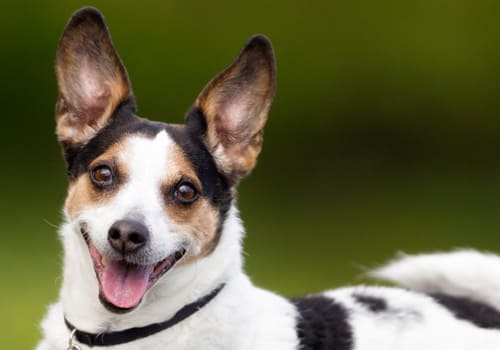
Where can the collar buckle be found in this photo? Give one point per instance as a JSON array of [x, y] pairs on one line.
[[71, 343]]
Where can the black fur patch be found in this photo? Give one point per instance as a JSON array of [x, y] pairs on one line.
[[190, 139], [374, 304], [481, 315], [323, 324]]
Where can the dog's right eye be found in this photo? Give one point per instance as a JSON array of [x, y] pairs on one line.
[[102, 176]]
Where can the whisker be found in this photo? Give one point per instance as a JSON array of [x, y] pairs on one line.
[[50, 223]]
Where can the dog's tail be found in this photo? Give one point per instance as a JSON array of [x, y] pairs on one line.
[[462, 273]]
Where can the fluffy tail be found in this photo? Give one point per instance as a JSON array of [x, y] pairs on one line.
[[463, 273]]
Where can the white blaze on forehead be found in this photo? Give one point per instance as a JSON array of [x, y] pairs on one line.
[[147, 161]]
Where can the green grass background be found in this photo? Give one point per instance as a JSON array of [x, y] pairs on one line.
[[384, 135]]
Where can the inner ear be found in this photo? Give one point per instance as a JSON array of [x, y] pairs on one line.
[[91, 78], [235, 105]]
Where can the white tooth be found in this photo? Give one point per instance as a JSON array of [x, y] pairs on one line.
[[104, 262]]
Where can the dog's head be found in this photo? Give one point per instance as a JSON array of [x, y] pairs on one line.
[[147, 196]]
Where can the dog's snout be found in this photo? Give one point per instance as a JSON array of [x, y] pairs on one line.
[[127, 236]]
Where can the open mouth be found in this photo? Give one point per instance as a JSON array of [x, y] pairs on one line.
[[122, 284]]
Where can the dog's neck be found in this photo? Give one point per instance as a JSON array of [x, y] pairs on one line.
[[181, 286]]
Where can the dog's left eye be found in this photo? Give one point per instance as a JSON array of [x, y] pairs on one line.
[[186, 193], [102, 176]]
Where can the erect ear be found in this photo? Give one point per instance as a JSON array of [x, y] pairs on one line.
[[235, 105], [91, 78]]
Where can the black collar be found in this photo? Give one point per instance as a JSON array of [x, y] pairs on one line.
[[131, 334]]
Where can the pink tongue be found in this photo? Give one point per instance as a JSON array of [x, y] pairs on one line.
[[124, 285]]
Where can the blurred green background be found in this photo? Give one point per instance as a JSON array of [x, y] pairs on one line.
[[384, 135]]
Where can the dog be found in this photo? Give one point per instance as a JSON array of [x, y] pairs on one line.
[[152, 237]]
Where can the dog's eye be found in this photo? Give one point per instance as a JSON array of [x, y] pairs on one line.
[[186, 193], [102, 175]]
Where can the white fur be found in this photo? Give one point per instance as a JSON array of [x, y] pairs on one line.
[[412, 322], [242, 316], [148, 161], [463, 273]]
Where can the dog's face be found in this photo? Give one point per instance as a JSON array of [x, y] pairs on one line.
[[147, 196]]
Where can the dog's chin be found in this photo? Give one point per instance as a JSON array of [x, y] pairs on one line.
[[122, 285]]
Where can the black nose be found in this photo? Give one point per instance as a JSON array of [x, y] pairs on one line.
[[127, 236]]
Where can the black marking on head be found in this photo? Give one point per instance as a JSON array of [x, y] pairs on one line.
[[374, 304], [216, 186], [323, 324], [196, 122], [123, 122], [482, 315]]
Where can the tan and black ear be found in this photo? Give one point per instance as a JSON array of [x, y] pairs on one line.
[[91, 78], [235, 105]]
